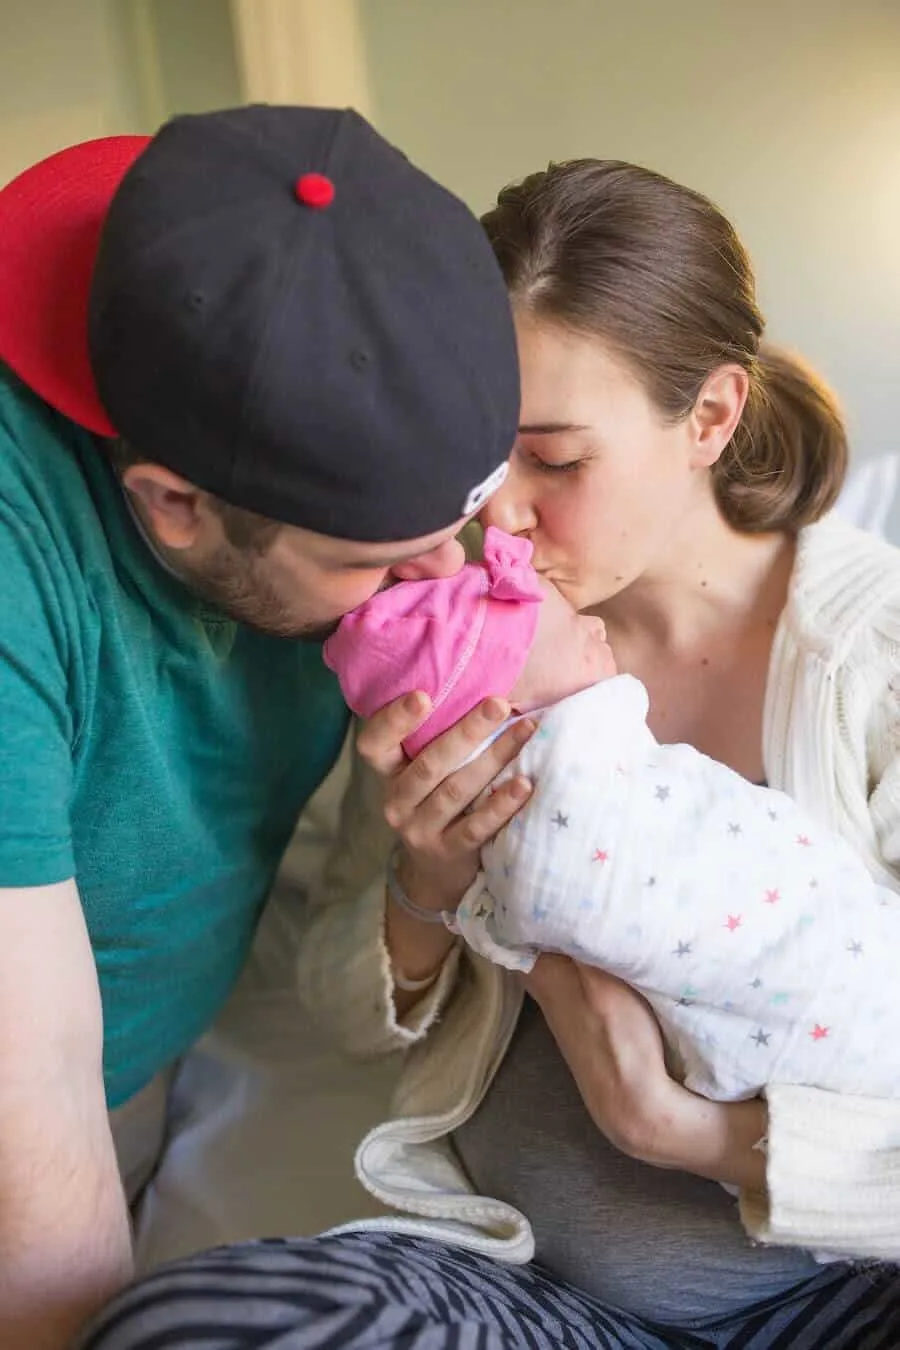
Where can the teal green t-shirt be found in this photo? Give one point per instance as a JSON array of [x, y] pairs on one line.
[[151, 749]]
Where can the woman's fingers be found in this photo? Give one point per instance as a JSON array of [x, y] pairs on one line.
[[478, 827], [380, 741], [434, 787], [450, 800]]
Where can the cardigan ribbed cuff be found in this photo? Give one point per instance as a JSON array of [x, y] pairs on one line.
[[833, 1175]]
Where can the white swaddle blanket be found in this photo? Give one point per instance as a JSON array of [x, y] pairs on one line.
[[761, 941]]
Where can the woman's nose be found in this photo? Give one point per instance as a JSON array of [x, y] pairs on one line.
[[443, 561], [509, 508]]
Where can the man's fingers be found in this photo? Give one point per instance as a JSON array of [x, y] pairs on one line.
[[380, 739]]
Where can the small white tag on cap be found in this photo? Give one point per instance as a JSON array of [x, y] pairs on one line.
[[481, 491]]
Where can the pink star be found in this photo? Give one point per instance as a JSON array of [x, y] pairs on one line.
[[734, 921], [819, 1033], [772, 897], [804, 840], [600, 855]]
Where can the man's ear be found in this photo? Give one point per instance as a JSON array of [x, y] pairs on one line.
[[717, 412], [173, 507]]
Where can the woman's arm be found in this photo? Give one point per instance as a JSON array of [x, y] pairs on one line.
[[611, 1041], [827, 1176]]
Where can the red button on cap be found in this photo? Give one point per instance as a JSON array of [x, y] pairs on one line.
[[315, 190]]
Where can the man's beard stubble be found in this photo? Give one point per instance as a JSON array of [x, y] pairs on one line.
[[232, 581]]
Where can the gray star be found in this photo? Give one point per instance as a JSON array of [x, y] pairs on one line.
[[761, 1037], [651, 881], [683, 949], [756, 984], [773, 815], [734, 829], [662, 793], [561, 821], [856, 948], [685, 1002], [813, 884]]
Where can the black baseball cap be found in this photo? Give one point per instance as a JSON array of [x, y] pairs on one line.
[[288, 313]]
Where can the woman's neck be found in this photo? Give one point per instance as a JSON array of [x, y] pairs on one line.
[[712, 580]]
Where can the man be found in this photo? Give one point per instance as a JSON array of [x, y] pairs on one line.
[[249, 371]]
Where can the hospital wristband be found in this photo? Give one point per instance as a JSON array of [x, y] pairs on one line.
[[402, 900]]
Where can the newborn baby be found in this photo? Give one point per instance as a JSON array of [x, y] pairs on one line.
[[765, 948]]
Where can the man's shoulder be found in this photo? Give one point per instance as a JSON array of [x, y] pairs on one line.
[[39, 450]]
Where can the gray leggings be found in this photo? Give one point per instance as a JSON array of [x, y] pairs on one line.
[[379, 1291]]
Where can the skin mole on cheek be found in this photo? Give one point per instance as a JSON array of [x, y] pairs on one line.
[[704, 660]]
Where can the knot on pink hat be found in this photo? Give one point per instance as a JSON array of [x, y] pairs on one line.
[[459, 639]]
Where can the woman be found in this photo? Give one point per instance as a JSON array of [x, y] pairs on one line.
[[669, 472]]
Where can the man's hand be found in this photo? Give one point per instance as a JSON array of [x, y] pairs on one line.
[[611, 1042], [65, 1245]]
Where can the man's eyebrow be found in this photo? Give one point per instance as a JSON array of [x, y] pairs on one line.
[[549, 428]]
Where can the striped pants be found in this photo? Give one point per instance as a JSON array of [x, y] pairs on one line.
[[381, 1291]]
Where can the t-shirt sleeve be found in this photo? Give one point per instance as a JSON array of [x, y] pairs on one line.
[[36, 723]]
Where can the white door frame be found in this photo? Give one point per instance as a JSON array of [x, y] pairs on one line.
[[301, 51]]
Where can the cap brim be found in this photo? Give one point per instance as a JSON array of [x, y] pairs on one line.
[[51, 218]]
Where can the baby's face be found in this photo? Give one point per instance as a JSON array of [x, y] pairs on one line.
[[569, 653]]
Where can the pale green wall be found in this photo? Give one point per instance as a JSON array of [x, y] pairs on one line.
[[787, 112], [196, 52], [73, 69]]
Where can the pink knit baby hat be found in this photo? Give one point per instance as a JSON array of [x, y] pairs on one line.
[[460, 639]]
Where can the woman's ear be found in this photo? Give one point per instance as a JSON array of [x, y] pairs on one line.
[[172, 507], [717, 412]]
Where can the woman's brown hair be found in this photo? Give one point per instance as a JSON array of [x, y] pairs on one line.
[[656, 271]]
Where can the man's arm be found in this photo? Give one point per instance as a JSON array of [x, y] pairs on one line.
[[65, 1244]]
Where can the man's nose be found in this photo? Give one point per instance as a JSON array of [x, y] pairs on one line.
[[443, 561]]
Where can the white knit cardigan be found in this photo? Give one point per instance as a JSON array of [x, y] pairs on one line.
[[832, 740]]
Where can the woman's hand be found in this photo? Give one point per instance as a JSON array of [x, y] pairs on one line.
[[429, 802], [611, 1042]]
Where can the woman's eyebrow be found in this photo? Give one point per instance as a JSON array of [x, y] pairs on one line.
[[549, 428]]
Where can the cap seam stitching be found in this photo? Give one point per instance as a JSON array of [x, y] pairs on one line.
[[287, 269]]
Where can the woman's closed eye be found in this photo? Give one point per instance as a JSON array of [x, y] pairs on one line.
[[549, 465]]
